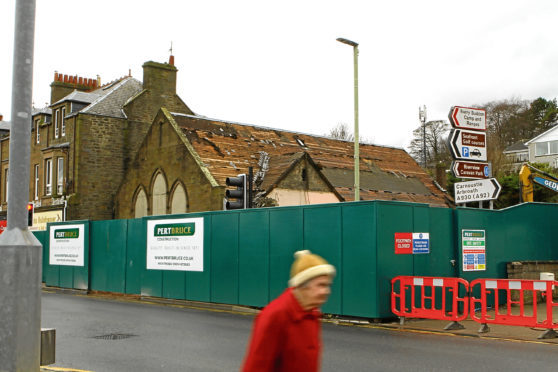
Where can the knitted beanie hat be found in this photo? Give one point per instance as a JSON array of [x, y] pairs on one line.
[[307, 266]]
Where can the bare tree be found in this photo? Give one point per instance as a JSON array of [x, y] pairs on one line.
[[506, 122], [341, 131], [436, 149]]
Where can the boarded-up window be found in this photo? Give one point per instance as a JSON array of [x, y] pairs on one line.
[[140, 209], [178, 204], [159, 195]]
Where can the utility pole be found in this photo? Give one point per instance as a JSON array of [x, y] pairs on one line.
[[422, 118], [20, 251]]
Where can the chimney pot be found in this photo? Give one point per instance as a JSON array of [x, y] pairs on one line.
[[171, 60]]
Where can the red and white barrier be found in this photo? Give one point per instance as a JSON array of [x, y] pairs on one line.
[[403, 303], [510, 312]]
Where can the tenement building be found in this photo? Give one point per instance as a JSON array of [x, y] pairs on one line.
[[129, 149]]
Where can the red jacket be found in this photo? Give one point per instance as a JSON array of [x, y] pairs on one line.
[[285, 338]]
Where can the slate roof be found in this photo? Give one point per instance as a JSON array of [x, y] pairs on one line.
[[517, 147], [78, 96], [107, 100], [112, 98], [42, 110], [4, 125], [387, 173]]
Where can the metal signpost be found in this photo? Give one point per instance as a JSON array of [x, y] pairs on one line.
[[20, 251], [467, 144]]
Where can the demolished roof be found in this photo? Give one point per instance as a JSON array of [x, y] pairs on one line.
[[386, 173]]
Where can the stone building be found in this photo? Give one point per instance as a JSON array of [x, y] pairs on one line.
[[82, 143], [128, 149]]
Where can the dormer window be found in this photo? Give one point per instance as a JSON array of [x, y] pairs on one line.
[[63, 122]]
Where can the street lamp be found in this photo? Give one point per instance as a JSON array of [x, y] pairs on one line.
[[356, 139]]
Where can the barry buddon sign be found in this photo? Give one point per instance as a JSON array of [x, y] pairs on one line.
[[468, 118]]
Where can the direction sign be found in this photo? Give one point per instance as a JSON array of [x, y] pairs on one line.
[[478, 190], [467, 118], [467, 145], [469, 169]]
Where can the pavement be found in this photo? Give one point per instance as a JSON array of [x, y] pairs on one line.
[[425, 326]]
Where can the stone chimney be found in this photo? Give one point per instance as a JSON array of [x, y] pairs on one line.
[[160, 78], [64, 85]]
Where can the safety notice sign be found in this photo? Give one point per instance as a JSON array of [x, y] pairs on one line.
[[412, 243], [473, 247]]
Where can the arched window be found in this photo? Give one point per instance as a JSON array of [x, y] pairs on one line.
[[178, 202], [159, 195], [140, 209]]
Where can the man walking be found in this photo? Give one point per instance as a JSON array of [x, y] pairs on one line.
[[286, 335]]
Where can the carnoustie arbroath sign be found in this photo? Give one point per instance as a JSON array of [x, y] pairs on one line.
[[175, 244], [66, 245]]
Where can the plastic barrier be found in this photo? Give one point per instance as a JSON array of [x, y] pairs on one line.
[[451, 287], [499, 292]]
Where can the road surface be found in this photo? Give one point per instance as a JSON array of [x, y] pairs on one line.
[[99, 334]]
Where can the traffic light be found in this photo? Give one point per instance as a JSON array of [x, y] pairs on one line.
[[30, 214], [239, 194]]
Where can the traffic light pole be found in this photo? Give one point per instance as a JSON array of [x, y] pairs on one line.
[[250, 186], [20, 251]]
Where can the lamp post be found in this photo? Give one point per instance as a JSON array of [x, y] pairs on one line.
[[356, 139], [20, 251]]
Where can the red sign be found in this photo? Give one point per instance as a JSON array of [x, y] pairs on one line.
[[3, 225], [403, 243]]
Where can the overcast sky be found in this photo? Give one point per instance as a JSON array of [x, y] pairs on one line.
[[278, 64]]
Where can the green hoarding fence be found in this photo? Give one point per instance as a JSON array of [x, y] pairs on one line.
[[247, 254]]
